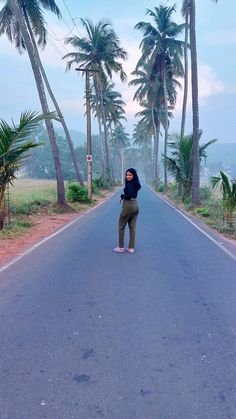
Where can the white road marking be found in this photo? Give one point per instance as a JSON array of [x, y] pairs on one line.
[[30, 249], [218, 244]]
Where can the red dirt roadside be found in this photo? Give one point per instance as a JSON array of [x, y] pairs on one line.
[[44, 226]]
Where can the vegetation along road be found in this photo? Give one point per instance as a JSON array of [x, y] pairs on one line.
[[87, 333]]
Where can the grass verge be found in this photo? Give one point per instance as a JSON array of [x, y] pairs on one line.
[[211, 211]]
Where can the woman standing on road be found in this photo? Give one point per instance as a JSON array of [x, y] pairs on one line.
[[130, 210]]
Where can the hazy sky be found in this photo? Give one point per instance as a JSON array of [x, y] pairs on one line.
[[216, 36]]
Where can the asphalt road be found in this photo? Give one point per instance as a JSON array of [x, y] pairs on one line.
[[89, 334]]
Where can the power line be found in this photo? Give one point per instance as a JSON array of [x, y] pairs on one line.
[[56, 48], [55, 35], [73, 19], [55, 38]]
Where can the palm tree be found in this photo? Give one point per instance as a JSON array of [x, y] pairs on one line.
[[98, 50], [113, 108], [185, 13], [195, 104], [229, 194], [149, 94], [119, 141], [164, 52], [180, 164], [36, 27], [51, 94], [15, 144], [143, 140], [12, 22]]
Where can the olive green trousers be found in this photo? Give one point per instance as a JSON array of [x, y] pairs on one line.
[[129, 214]]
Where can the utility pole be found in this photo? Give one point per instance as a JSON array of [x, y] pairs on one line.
[[89, 134]]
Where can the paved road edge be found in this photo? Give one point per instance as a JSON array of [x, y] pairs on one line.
[[210, 234], [67, 225]]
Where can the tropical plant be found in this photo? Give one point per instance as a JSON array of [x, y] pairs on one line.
[[36, 27], [180, 163], [13, 23], [229, 194], [15, 144], [77, 193], [195, 104], [163, 53], [185, 13], [99, 51]]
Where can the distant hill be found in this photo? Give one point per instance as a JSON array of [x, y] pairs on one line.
[[220, 152], [78, 138]]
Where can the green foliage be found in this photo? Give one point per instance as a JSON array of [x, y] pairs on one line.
[[180, 164], [188, 202], [77, 193], [229, 194], [15, 229], [30, 207], [98, 183], [15, 146], [161, 187], [204, 212], [205, 193]]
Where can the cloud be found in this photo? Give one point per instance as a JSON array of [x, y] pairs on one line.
[[208, 85]]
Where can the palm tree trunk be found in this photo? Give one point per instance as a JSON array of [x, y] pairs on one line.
[[195, 106], [166, 125], [107, 164], [39, 83], [59, 113], [100, 126], [185, 98], [2, 207], [156, 129]]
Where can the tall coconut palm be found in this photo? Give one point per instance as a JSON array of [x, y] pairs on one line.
[[119, 141], [163, 51], [12, 22], [36, 26], [98, 50], [149, 94], [185, 13], [195, 104], [15, 144], [151, 116], [113, 108]]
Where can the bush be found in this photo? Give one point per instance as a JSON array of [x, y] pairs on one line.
[[188, 202], [204, 212], [30, 207], [161, 187], [76, 193], [205, 193], [98, 182]]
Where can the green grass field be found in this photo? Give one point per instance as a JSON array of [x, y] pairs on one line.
[[34, 196]]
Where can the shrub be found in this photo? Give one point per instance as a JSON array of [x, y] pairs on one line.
[[76, 193], [204, 212], [98, 182], [205, 193], [161, 187], [188, 202]]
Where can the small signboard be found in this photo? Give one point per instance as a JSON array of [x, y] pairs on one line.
[[89, 157]]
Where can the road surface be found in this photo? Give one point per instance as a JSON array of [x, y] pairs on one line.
[[87, 333]]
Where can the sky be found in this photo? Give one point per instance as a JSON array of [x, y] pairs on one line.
[[216, 38]]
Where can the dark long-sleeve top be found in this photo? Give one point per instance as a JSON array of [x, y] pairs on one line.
[[131, 190]]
